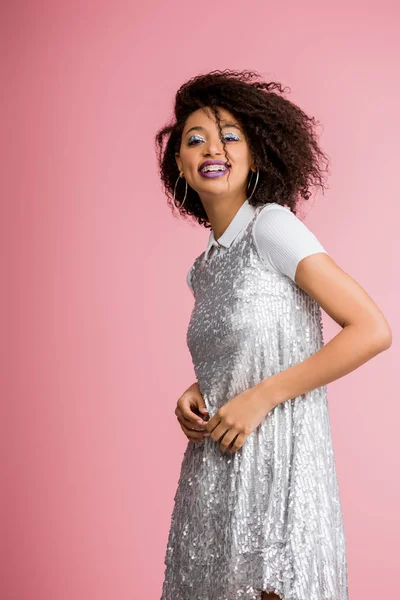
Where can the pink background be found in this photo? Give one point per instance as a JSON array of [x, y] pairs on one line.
[[95, 304]]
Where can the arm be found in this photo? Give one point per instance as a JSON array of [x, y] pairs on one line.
[[365, 332], [288, 246]]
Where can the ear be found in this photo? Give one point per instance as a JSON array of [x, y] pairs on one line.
[[178, 161]]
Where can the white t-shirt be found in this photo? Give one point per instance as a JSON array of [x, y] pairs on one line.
[[281, 238]]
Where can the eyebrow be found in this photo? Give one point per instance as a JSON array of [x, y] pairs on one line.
[[200, 128]]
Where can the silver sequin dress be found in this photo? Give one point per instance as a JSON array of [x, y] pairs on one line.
[[267, 517]]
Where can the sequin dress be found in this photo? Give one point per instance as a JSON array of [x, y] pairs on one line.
[[267, 517]]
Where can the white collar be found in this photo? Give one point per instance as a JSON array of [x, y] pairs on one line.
[[242, 218]]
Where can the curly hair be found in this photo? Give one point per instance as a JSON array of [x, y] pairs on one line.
[[281, 138]]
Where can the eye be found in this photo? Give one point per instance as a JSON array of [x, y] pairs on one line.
[[194, 140], [232, 136]]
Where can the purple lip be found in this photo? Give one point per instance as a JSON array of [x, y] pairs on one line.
[[213, 162]]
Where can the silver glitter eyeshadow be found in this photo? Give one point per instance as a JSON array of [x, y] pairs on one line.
[[267, 517]]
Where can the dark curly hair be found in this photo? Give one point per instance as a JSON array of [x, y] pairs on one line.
[[280, 135]]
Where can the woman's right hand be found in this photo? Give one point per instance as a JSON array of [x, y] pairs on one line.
[[189, 410]]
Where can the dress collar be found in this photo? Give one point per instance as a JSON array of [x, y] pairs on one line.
[[241, 219]]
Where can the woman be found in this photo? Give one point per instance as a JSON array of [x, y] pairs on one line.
[[257, 510]]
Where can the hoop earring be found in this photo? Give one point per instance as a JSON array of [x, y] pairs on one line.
[[251, 177], [176, 183]]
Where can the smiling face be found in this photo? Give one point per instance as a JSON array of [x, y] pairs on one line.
[[201, 142]]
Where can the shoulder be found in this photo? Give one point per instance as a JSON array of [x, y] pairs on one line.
[[283, 240]]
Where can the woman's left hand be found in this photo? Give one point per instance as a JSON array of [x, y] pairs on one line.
[[236, 419]]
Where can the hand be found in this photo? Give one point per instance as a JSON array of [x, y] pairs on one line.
[[237, 418], [188, 410]]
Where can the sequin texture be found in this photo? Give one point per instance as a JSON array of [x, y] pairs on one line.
[[267, 517]]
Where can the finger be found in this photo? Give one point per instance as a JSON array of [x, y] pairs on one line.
[[227, 440], [197, 399], [189, 424], [194, 436], [195, 402], [187, 414], [192, 426], [205, 414], [200, 405], [238, 443], [191, 416], [213, 423], [219, 431]]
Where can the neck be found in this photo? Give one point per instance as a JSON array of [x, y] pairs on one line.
[[221, 212]]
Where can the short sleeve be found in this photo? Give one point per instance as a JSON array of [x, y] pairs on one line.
[[283, 240], [189, 280]]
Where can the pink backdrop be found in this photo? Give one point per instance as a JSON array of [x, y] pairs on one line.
[[95, 304]]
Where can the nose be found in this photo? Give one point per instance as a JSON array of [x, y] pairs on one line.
[[214, 147]]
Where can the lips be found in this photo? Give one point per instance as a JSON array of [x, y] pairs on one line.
[[213, 162]]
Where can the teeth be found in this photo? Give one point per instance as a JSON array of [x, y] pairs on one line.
[[213, 168]]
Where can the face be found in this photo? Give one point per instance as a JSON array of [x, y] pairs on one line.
[[201, 141]]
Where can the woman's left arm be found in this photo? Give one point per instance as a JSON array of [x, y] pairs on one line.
[[365, 332]]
